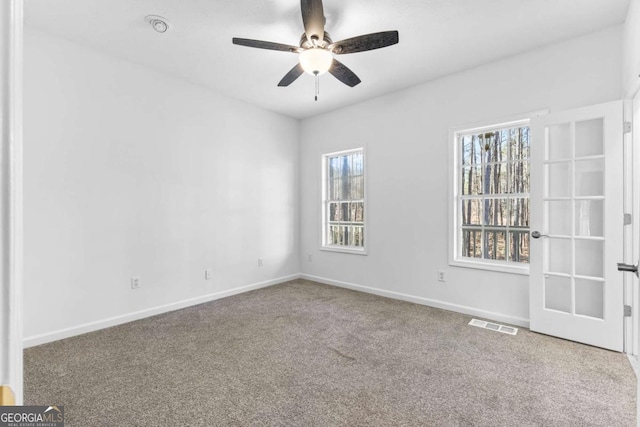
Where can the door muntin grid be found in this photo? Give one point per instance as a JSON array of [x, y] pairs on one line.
[[574, 168]]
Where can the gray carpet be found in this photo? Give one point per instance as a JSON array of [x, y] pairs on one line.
[[305, 354]]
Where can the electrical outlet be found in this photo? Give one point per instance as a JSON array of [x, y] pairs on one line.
[[442, 276], [259, 262], [309, 257], [207, 274], [135, 282]]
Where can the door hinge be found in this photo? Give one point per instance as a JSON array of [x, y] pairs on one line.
[[627, 127], [627, 311], [628, 219]]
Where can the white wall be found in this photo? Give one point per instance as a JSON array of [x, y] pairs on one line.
[[131, 172], [631, 43], [405, 135]]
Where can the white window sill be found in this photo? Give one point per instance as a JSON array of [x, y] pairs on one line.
[[497, 266], [345, 250]]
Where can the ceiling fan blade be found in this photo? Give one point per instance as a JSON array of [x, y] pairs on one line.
[[260, 44], [365, 42], [292, 75], [313, 19], [344, 74]]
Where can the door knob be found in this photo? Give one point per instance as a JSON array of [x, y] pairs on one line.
[[628, 267], [537, 235]]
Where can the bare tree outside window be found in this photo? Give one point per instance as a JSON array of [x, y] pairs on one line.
[[343, 200], [493, 196]]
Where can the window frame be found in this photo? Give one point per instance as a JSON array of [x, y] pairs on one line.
[[324, 201], [455, 256]]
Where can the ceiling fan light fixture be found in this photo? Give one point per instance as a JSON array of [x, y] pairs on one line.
[[316, 61]]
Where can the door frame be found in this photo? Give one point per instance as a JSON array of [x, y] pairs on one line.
[[11, 214], [632, 206], [631, 170]]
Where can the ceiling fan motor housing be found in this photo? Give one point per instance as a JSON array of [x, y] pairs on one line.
[[324, 43]]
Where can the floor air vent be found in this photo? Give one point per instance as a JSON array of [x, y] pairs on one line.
[[494, 327]]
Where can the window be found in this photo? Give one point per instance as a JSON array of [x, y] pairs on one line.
[[491, 192], [343, 205]]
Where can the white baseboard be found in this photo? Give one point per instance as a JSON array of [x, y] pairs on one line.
[[119, 320], [489, 315]]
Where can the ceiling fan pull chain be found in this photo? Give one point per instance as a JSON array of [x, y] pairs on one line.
[[317, 84]]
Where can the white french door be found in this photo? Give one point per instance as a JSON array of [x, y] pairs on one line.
[[575, 289]]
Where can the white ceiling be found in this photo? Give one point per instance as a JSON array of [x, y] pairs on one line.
[[437, 37]]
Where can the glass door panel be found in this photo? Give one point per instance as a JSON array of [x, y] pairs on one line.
[[589, 258], [589, 297], [559, 179], [557, 144], [589, 218], [560, 256], [559, 213], [557, 295], [590, 138], [589, 178]]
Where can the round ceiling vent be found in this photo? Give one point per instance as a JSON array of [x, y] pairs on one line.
[[158, 23]]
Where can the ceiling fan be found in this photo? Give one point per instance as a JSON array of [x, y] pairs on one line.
[[316, 50]]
